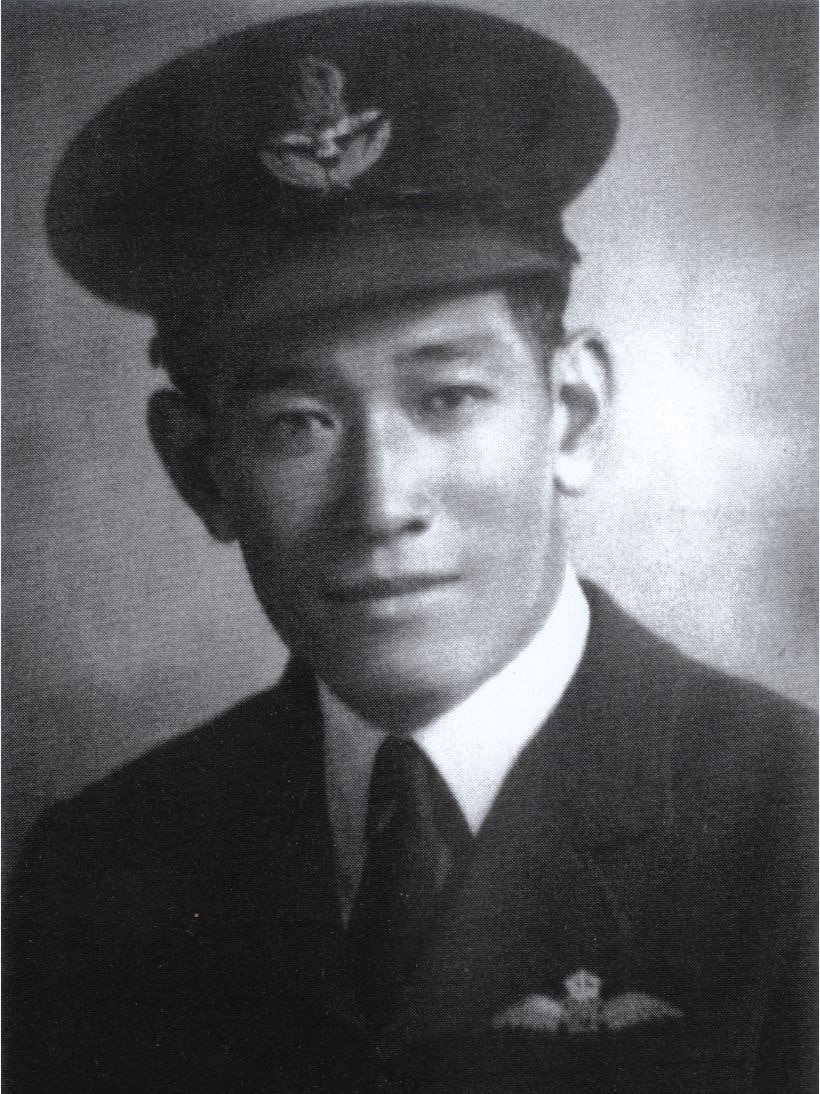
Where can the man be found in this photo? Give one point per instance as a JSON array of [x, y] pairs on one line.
[[488, 833]]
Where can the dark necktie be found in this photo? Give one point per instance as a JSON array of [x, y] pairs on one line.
[[417, 842]]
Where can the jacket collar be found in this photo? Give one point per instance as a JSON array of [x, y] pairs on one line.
[[288, 844], [611, 735]]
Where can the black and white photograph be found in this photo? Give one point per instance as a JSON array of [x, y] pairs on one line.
[[410, 539]]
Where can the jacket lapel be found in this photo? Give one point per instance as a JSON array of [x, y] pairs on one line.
[[536, 904], [288, 851]]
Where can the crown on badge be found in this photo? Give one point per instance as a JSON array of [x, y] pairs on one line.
[[582, 1010], [583, 987], [329, 147]]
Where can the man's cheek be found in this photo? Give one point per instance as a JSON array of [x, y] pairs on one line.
[[510, 455], [273, 505], [499, 496]]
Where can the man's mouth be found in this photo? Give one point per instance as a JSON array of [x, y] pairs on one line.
[[385, 588]]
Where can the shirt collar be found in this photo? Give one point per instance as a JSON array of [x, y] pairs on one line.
[[474, 745]]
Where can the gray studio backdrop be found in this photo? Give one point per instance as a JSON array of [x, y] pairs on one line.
[[124, 624]]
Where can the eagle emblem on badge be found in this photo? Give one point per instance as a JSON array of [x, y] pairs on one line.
[[582, 1011], [329, 146]]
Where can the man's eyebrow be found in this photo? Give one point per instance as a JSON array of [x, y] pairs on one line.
[[271, 374], [280, 369], [445, 350]]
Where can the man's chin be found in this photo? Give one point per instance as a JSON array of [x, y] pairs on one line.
[[397, 696]]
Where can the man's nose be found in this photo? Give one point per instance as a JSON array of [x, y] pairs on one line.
[[390, 478]]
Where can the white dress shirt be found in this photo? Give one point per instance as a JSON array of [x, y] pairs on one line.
[[473, 746]]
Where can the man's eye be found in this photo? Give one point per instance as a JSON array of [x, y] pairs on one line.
[[296, 430], [455, 398], [294, 422]]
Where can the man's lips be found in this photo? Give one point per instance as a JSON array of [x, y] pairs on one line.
[[385, 588]]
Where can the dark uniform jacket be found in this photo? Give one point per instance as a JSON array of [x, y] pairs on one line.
[[176, 927]]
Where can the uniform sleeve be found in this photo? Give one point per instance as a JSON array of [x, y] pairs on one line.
[[788, 1049], [787, 1058], [50, 1004]]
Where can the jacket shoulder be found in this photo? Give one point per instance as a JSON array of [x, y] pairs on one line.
[[206, 752], [179, 790], [718, 722]]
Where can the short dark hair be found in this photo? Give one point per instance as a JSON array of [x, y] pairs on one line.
[[537, 304]]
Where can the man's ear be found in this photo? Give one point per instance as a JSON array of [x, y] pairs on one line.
[[581, 389], [182, 437]]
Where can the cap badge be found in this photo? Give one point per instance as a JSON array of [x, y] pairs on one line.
[[329, 147], [583, 1011]]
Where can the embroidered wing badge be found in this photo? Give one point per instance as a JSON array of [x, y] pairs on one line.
[[582, 1010], [329, 147]]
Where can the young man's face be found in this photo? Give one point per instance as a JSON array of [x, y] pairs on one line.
[[390, 482]]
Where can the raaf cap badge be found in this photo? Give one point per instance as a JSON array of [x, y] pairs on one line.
[[329, 147]]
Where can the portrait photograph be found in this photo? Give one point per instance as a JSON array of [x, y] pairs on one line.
[[410, 546]]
